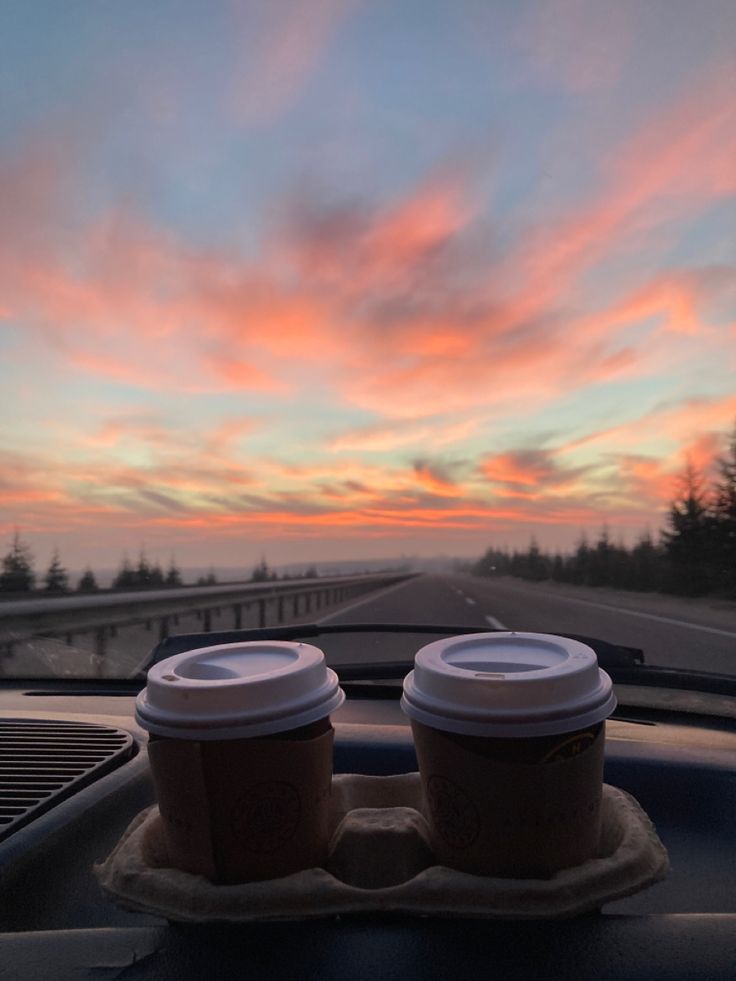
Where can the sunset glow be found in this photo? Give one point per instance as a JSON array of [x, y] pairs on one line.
[[340, 280]]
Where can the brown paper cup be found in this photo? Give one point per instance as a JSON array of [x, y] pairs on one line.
[[520, 808], [239, 810]]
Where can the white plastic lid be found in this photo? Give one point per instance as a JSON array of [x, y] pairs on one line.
[[507, 685], [235, 691]]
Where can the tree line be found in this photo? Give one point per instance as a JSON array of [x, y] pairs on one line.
[[18, 576], [693, 555]]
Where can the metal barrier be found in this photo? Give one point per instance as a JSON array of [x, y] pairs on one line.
[[103, 614]]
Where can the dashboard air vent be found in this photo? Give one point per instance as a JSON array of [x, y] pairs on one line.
[[42, 762]]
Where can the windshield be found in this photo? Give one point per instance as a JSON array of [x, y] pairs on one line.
[[354, 313]]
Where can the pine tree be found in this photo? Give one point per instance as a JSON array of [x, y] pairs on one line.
[[17, 574], [536, 563], [142, 571], [646, 564], [724, 520], [494, 562], [262, 572], [87, 582], [689, 541], [57, 578], [126, 577], [601, 560], [581, 561], [173, 576]]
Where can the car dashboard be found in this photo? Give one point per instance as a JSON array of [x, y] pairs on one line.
[[56, 923]]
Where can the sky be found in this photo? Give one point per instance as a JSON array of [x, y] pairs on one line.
[[323, 279]]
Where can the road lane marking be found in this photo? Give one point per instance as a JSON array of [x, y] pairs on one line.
[[645, 616], [495, 623], [378, 594], [469, 601]]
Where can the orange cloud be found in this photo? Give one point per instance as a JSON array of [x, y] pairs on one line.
[[22, 496], [529, 474], [383, 521], [528, 468], [186, 490], [644, 479], [435, 479]]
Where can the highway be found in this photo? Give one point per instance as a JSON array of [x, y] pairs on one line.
[[671, 633], [675, 633]]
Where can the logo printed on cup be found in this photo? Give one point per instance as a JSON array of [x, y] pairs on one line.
[[453, 812], [267, 816], [570, 747]]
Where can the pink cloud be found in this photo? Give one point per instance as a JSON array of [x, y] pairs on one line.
[[241, 375], [645, 479], [358, 251], [679, 160], [115, 430], [420, 225], [230, 431], [580, 44], [679, 301], [378, 301], [679, 423], [374, 307], [701, 451], [381, 438], [280, 48]]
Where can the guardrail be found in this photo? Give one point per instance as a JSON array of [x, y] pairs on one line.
[[103, 614]]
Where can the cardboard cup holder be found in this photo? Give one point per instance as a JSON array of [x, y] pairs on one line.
[[381, 859]]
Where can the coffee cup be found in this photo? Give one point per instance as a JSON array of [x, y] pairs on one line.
[[509, 730], [240, 746]]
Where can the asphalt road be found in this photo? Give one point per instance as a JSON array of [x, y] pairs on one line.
[[670, 634]]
